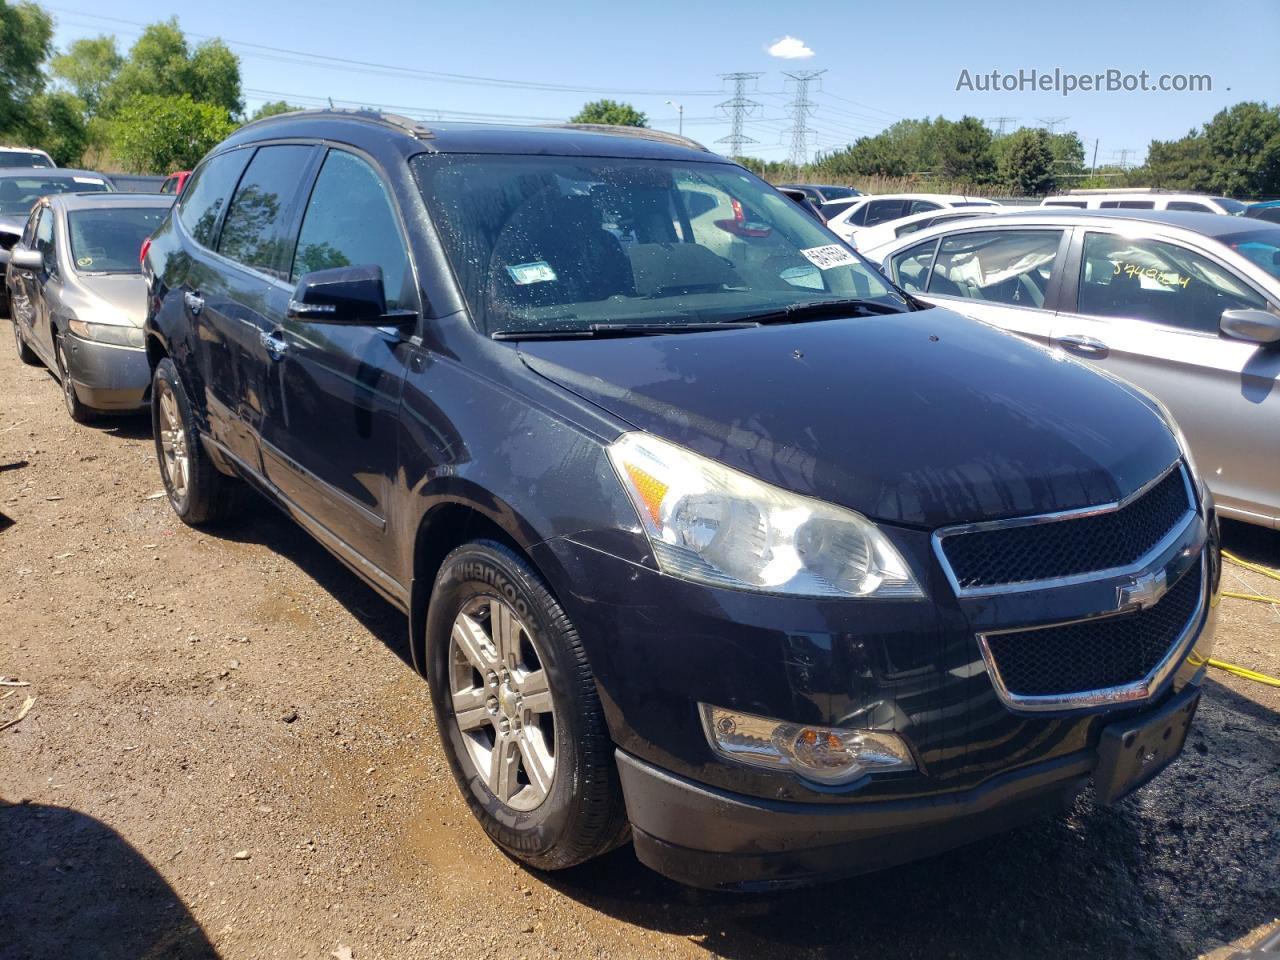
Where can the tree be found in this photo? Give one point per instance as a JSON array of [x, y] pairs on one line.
[[89, 67], [57, 124], [1027, 163], [611, 112], [158, 134], [161, 64], [1178, 164], [1243, 146], [26, 36], [272, 108], [965, 151]]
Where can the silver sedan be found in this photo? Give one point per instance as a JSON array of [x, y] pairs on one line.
[[78, 299], [1184, 305]]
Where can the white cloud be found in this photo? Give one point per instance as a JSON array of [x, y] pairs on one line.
[[789, 48]]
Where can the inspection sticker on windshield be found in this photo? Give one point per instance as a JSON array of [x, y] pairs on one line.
[[832, 255], [525, 273], [87, 180]]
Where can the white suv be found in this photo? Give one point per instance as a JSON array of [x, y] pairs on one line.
[[24, 157], [872, 211], [1147, 200]]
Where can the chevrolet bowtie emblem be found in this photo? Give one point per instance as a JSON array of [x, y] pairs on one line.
[[1141, 592]]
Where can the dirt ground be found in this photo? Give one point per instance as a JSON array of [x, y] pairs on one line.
[[229, 756]]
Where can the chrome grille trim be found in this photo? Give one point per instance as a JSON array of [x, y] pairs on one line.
[[1026, 586]]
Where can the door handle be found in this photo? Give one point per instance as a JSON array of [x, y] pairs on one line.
[[1079, 343], [194, 302], [26, 275], [275, 345]]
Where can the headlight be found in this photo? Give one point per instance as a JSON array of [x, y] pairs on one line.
[[709, 523], [830, 755], [118, 334]]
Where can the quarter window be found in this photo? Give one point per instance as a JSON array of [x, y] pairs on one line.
[[210, 187], [254, 230], [998, 266], [920, 206], [350, 222], [1187, 205], [1158, 282]]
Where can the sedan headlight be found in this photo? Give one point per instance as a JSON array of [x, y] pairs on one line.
[[113, 333], [710, 523]]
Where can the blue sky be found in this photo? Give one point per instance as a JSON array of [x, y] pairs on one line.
[[882, 60]]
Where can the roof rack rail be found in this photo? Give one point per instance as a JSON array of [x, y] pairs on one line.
[[403, 124], [640, 133]]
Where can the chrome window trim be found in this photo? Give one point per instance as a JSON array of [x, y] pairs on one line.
[[1137, 691], [1025, 586]]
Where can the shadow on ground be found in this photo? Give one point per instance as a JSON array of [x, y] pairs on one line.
[[74, 888]]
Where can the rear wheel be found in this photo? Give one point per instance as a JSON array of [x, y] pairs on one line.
[[75, 409], [198, 492], [25, 353], [518, 711]]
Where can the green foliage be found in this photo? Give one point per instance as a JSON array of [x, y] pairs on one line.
[[1027, 162], [89, 67], [26, 36], [57, 124], [610, 112], [159, 134], [965, 151], [1237, 153], [161, 64], [272, 108]]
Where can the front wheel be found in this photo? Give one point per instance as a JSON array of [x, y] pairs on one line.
[[75, 409], [518, 711], [198, 492]]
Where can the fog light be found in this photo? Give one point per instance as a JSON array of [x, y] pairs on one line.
[[830, 755]]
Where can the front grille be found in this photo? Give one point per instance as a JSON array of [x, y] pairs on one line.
[[1021, 553], [1094, 654]]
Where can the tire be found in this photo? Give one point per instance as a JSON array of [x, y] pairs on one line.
[[75, 409], [25, 353], [580, 814], [199, 493]]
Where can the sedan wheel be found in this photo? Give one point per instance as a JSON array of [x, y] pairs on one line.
[[502, 703], [75, 409]]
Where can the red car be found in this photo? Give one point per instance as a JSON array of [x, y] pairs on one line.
[[175, 182]]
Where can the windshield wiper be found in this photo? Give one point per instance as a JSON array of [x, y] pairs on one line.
[[799, 312], [602, 330]]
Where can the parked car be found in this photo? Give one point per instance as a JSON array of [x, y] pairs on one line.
[[1142, 198], [870, 240], [175, 182], [21, 188], [24, 157], [821, 193], [1185, 305], [802, 200], [1268, 210], [885, 208], [749, 556], [78, 298]]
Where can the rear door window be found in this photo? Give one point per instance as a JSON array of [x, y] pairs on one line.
[[920, 206], [1158, 282], [1188, 205], [911, 266], [254, 232], [1127, 205], [881, 211], [206, 196], [349, 221], [998, 266]]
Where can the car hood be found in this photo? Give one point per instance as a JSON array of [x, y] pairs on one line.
[[922, 418], [108, 298]]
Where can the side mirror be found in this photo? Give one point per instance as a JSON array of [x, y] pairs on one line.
[[24, 258], [341, 295], [1252, 326]]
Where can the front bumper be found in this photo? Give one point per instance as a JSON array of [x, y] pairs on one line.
[[106, 376], [715, 839]]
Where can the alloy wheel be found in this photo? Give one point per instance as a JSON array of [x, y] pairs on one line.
[[502, 702], [68, 388], [173, 442]]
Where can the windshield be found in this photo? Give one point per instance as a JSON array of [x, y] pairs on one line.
[[838, 193], [565, 243], [109, 241], [21, 158], [19, 194], [1260, 246]]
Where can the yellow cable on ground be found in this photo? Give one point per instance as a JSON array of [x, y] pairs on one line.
[[1240, 671], [1245, 672], [1249, 565], [1252, 596]]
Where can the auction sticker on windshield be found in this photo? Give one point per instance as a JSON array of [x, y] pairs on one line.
[[832, 255], [537, 272]]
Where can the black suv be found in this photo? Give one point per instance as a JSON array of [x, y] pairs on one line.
[[706, 533]]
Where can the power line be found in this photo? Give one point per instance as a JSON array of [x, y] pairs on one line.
[[801, 108], [738, 108], [1000, 122], [1052, 123], [394, 70]]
